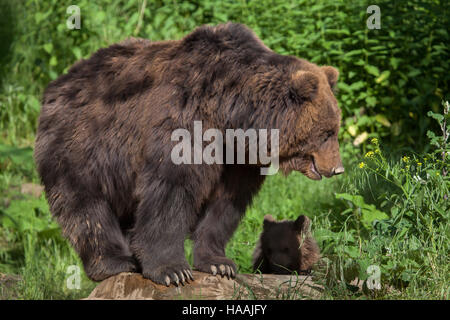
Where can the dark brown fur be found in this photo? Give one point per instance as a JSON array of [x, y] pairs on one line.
[[285, 247], [104, 141]]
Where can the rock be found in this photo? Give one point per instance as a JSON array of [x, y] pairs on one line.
[[32, 189], [273, 286], [206, 286]]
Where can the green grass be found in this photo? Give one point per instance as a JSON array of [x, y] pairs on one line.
[[416, 268]]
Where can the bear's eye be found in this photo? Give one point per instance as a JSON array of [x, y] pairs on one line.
[[327, 135], [293, 97]]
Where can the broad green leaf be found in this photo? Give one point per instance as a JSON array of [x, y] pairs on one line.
[[53, 61], [384, 76], [381, 118], [371, 101], [436, 116], [48, 47], [371, 214], [352, 251], [372, 70], [77, 52]]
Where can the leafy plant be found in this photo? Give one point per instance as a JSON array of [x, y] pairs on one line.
[[417, 210], [365, 213]]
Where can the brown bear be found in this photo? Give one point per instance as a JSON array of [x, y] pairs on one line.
[[103, 146], [285, 247]]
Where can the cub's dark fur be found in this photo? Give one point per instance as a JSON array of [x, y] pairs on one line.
[[103, 146], [285, 246]]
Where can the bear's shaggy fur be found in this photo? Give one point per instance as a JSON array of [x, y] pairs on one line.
[[285, 246], [103, 146]]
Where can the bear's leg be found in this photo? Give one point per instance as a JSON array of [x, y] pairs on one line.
[[163, 219], [221, 218], [211, 236], [94, 231]]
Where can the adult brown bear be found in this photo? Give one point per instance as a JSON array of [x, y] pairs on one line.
[[103, 146]]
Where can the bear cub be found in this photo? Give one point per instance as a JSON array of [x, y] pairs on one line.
[[285, 246]]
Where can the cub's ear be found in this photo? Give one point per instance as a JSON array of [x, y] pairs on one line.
[[268, 220], [332, 75], [305, 84], [302, 224]]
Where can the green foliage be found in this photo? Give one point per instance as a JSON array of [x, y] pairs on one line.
[[366, 213], [31, 245], [389, 77], [15, 159], [414, 231]]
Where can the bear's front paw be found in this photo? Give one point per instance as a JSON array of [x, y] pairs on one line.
[[170, 273], [217, 265]]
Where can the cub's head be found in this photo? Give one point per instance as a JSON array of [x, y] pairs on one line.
[[288, 246]]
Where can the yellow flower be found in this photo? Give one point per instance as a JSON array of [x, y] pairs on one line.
[[405, 159], [369, 154], [419, 163], [374, 141], [362, 165], [437, 173]]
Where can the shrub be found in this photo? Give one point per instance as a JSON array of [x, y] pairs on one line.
[[408, 236]]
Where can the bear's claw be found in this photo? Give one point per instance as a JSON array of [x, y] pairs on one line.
[[166, 274], [224, 270], [213, 270], [189, 274]]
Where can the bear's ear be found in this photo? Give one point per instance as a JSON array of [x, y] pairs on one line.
[[332, 75], [305, 84], [268, 220], [302, 224]]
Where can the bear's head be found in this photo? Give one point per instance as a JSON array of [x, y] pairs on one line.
[[296, 97], [246, 85], [288, 245], [309, 140]]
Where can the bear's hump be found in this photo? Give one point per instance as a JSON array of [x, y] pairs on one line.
[[224, 36]]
